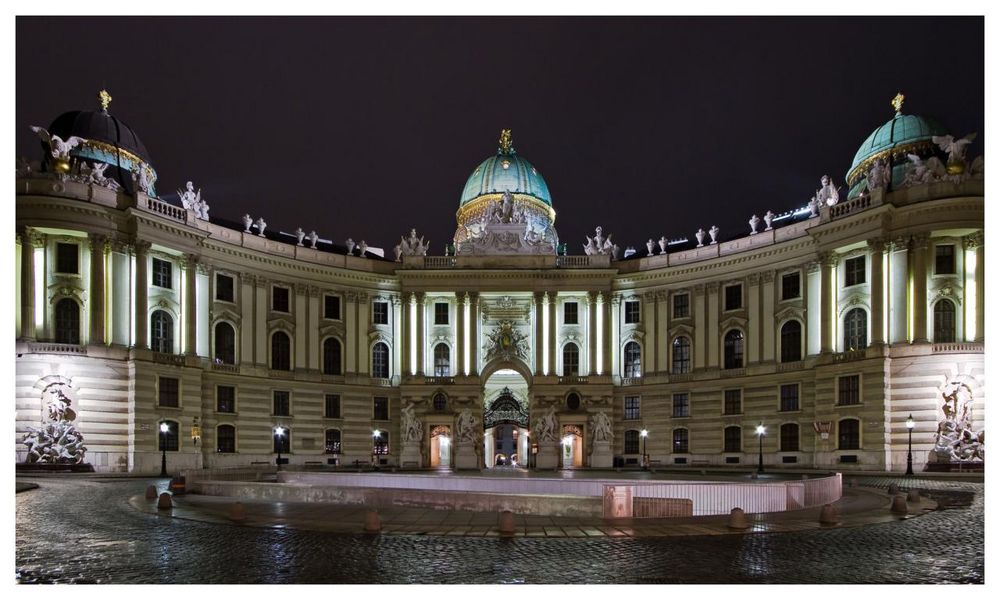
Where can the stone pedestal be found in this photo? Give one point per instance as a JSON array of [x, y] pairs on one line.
[[600, 456], [548, 456], [410, 457], [465, 456]]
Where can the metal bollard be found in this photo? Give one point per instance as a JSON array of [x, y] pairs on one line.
[[738, 519], [238, 512], [899, 504], [372, 522], [165, 502], [829, 515], [913, 496], [893, 489], [151, 492], [507, 527]]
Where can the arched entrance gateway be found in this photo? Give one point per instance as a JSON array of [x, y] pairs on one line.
[[506, 415]]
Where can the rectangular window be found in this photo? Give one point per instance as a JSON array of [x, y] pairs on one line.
[[682, 306], [944, 259], [380, 313], [632, 408], [380, 408], [789, 397], [790, 286], [849, 435], [571, 314], [282, 404], [733, 404], [225, 399], [732, 440], [226, 438], [854, 271], [682, 406], [67, 258], [440, 313], [332, 406], [380, 443], [789, 437], [280, 299], [631, 442], [170, 392], [162, 273], [680, 441], [848, 390], [331, 307], [224, 289], [734, 296], [632, 311]]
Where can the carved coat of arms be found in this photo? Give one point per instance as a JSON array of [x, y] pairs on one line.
[[506, 343]]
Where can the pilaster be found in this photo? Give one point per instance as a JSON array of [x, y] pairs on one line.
[[921, 242]]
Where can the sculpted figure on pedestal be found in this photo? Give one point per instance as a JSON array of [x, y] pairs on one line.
[[601, 425], [650, 246], [350, 246], [714, 232], [878, 176], [700, 236], [663, 244], [362, 248], [466, 426], [299, 236], [546, 426], [261, 225], [247, 222], [919, 171], [189, 198], [768, 219], [827, 193], [754, 221], [312, 239], [413, 430]]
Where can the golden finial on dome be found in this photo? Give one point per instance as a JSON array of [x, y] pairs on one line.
[[105, 99], [897, 102], [506, 142]]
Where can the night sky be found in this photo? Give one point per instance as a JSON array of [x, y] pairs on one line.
[[367, 127]]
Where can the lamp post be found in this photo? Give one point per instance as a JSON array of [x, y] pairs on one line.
[[279, 432], [164, 428], [760, 448], [375, 435], [909, 445], [645, 457]]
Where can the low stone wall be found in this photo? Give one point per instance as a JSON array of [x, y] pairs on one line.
[[526, 504]]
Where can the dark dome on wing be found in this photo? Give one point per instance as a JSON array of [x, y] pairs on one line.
[[99, 126]]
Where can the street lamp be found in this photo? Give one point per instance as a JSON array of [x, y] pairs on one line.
[[760, 451], [375, 436], [164, 428], [909, 445], [645, 457], [279, 432]]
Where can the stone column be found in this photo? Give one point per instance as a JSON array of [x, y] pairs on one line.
[[609, 343], [474, 334], [421, 342], [700, 339], [659, 331], [350, 327], [460, 333], [28, 239], [120, 313], [553, 359], [364, 317], [813, 310], [592, 333], [876, 247], [247, 333], [615, 337], [754, 334], [399, 344], [539, 340], [298, 305], [190, 305], [141, 283], [828, 307], [919, 252], [898, 290], [262, 306], [975, 242], [712, 341], [98, 285], [767, 318], [407, 302], [314, 347], [648, 325]]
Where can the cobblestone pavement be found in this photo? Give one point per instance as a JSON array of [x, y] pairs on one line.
[[83, 530]]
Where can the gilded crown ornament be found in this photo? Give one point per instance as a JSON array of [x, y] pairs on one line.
[[105, 99], [506, 142], [897, 102]]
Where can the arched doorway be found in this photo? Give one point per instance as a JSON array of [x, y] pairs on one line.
[[505, 426], [441, 446], [572, 446]]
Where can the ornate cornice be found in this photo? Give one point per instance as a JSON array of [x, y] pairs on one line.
[[921, 241], [812, 266], [973, 240], [768, 276]]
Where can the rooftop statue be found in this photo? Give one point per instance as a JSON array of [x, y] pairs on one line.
[[94, 173], [754, 222], [663, 244], [411, 246], [58, 147], [312, 239], [879, 176], [247, 222], [299, 236], [350, 245], [956, 151], [700, 236], [503, 210], [768, 219], [828, 193], [714, 232], [919, 171], [599, 245], [261, 225], [189, 198]]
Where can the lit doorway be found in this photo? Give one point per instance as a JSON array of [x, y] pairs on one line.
[[505, 424], [441, 446], [572, 447]]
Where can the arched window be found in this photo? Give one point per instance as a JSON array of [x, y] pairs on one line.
[[380, 360], [633, 360], [789, 437], [170, 439], [281, 351], [68, 322], [333, 441], [161, 332], [442, 361], [733, 350], [849, 434], [944, 322], [855, 329], [440, 402], [680, 441], [283, 441], [680, 360], [632, 442], [732, 439], [225, 343], [331, 356], [571, 360], [791, 341], [225, 436]]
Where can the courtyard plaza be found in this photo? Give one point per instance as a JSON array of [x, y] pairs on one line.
[[941, 539]]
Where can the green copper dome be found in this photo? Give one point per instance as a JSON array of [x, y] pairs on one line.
[[901, 130], [506, 171]]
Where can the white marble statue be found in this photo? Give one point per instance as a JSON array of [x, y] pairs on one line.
[[189, 198], [650, 247], [599, 244], [601, 426], [201, 209], [247, 222], [413, 430], [919, 172], [465, 426], [58, 147], [144, 183], [398, 250], [768, 219], [827, 193], [503, 209], [57, 440], [546, 426], [714, 233], [299, 236], [362, 248], [94, 173], [879, 175], [700, 236], [261, 225], [350, 245], [813, 207], [955, 149], [412, 246], [754, 222], [663, 244], [956, 440], [615, 250], [313, 238]]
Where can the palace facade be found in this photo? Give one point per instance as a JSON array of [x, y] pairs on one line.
[[827, 326]]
